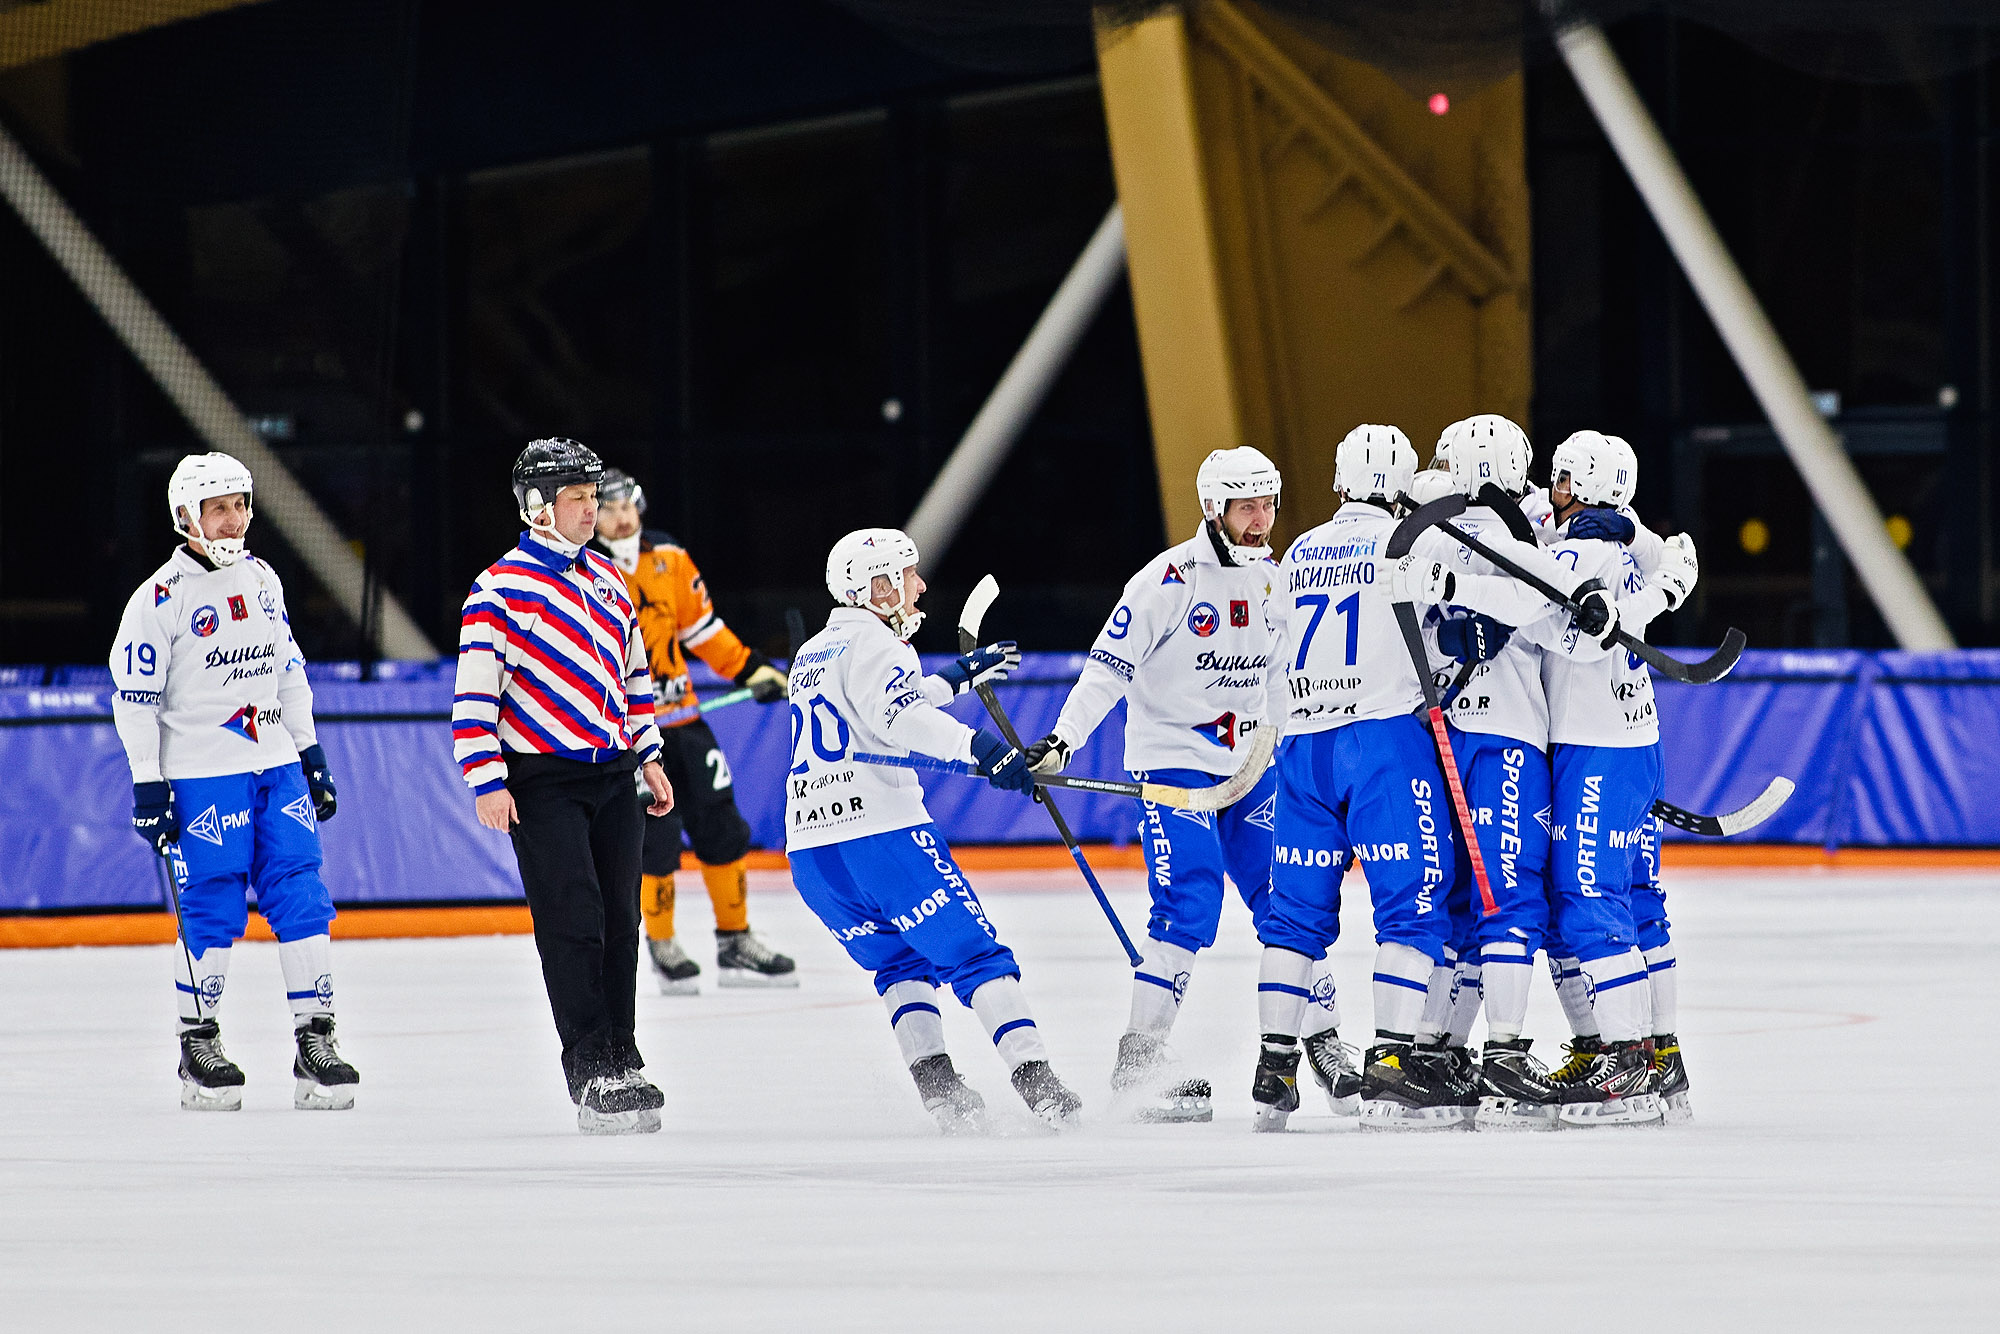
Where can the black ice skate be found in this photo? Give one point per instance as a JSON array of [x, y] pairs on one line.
[[1046, 1097], [1615, 1090], [1462, 1069], [1670, 1080], [1581, 1051], [742, 960], [1337, 1067], [210, 1081], [1148, 1088], [1515, 1092], [672, 967], [323, 1082], [620, 1104], [957, 1107], [1274, 1089], [1407, 1088]]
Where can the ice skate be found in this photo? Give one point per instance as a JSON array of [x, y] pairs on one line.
[[1337, 1067], [1274, 1089], [1404, 1089], [1615, 1090], [742, 960], [210, 1081], [324, 1082], [620, 1104], [1670, 1080], [1148, 1087], [671, 965], [1514, 1089], [1046, 1097], [957, 1107], [1582, 1051], [1462, 1071]]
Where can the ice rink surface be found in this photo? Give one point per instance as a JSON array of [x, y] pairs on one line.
[[1841, 1172]]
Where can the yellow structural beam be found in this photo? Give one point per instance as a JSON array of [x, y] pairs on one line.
[[37, 31], [1322, 246]]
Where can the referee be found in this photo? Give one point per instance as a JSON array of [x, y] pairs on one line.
[[552, 714]]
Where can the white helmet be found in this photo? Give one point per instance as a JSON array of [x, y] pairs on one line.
[[1602, 469], [1431, 484], [1374, 462], [1236, 474], [855, 561], [199, 477], [1441, 453], [1487, 448]]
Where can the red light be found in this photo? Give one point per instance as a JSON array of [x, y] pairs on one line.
[[1439, 104]]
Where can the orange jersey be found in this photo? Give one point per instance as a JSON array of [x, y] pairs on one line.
[[676, 616]]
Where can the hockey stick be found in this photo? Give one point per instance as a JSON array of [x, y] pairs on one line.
[[1224, 794], [1760, 809], [1712, 668], [1413, 639], [724, 701], [1509, 513], [170, 879], [969, 618]]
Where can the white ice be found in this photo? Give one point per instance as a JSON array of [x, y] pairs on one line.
[[1841, 1172]]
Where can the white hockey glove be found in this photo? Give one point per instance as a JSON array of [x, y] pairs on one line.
[[1537, 507], [1422, 580], [1050, 755], [1678, 570]]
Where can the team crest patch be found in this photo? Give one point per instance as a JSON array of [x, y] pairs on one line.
[[204, 621], [1219, 731], [323, 991], [211, 991], [238, 610], [603, 591], [243, 722], [206, 827], [1265, 816], [300, 809], [1203, 620], [1172, 576], [161, 593], [1239, 613], [268, 603]]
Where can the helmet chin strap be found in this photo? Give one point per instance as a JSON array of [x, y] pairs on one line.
[[548, 533], [222, 552], [1235, 553]]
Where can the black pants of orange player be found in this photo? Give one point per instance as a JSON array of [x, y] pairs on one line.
[[578, 844], [704, 803]]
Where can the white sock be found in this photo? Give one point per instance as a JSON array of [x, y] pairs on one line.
[[308, 973], [1158, 985], [1505, 970], [1437, 998], [1402, 977], [1323, 1009], [914, 1018], [1466, 991], [1663, 977], [1573, 990], [199, 992], [1620, 997], [1004, 1010], [1281, 990]]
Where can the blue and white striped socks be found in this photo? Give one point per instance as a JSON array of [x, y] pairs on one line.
[[1282, 992], [1158, 986], [308, 970], [198, 993], [1663, 978], [1620, 996], [1004, 1010], [1402, 980], [914, 1018]]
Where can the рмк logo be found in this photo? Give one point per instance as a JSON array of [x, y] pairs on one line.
[[243, 722], [1220, 731], [204, 621], [1203, 620]]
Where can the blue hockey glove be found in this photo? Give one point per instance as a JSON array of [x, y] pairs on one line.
[[1474, 638], [1001, 763], [319, 779], [982, 666], [1606, 525], [153, 817]]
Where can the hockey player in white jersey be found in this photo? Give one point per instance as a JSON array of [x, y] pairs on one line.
[[1190, 650], [1606, 762], [229, 781], [864, 854], [1359, 778]]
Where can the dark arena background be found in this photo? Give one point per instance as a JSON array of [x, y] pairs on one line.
[[1002, 274]]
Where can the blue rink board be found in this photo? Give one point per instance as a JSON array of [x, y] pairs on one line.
[[1888, 749]]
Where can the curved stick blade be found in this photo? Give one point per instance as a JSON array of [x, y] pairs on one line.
[[1263, 743], [974, 611], [1718, 664], [1775, 794]]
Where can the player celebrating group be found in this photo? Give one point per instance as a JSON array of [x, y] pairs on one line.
[[228, 780], [865, 856], [676, 617]]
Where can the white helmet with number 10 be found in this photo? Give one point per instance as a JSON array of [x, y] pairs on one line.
[[200, 477], [1487, 448], [861, 557], [1602, 469], [1374, 463]]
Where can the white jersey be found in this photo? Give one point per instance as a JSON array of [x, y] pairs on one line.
[[1342, 648], [856, 687], [1600, 697], [1503, 696], [1190, 648], [206, 678], [1646, 544]]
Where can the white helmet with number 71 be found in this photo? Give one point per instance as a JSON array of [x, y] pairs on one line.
[[1374, 463], [1487, 448], [1242, 473], [862, 557], [200, 477]]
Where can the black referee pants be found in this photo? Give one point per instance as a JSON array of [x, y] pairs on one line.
[[578, 844]]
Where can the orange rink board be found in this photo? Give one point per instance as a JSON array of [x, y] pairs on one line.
[[359, 923]]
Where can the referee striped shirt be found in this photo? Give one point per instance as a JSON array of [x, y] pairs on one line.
[[550, 662]]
